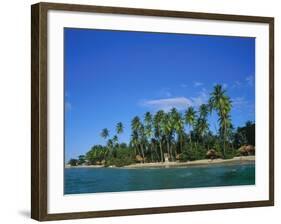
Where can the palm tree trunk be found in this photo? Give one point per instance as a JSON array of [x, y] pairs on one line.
[[155, 150], [180, 141], [175, 153], [168, 150], [224, 137], [142, 153], [161, 151], [151, 152]]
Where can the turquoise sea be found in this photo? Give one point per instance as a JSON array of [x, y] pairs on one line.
[[93, 180]]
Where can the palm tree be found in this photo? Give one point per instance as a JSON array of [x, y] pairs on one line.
[[119, 128], [202, 125], [190, 119], [137, 127], [158, 131], [148, 129], [178, 124], [220, 102], [110, 146], [135, 141], [142, 140], [115, 140], [203, 111], [104, 133], [168, 130]]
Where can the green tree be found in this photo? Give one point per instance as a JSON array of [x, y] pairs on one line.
[[115, 141], [220, 102], [158, 130], [105, 133], [178, 124], [202, 128], [148, 131], [168, 131], [110, 145], [135, 142], [203, 111], [119, 128], [137, 127], [81, 159], [73, 162], [190, 119], [202, 125]]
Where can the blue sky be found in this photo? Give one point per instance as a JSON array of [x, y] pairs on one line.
[[112, 76]]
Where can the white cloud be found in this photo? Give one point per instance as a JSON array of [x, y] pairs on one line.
[[239, 103], [249, 81], [196, 84], [201, 98], [180, 103], [167, 104], [236, 84]]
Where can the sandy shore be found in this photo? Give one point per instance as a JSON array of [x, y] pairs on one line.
[[235, 160]]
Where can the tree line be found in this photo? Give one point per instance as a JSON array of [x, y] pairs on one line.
[[163, 137]]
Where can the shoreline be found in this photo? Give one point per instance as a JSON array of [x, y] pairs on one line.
[[202, 162], [205, 162]]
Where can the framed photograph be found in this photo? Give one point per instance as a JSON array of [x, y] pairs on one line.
[[141, 111]]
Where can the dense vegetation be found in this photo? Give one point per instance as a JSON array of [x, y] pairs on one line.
[[162, 136]]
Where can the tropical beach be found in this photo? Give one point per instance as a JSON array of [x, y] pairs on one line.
[[161, 138], [203, 162], [157, 111]]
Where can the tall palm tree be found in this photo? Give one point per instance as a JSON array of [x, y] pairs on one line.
[[110, 146], [104, 133], [178, 124], [115, 140], [158, 130], [220, 102], [119, 128], [148, 130], [137, 127], [143, 140], [202, 125], [190, 119], [168, 131], [135, 141], [203, 111]]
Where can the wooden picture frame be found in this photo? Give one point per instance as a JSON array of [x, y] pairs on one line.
[[39, 109]]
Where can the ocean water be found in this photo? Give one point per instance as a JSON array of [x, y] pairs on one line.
[[93, 180]]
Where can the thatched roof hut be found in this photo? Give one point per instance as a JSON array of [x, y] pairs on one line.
[[250, 149], [139, 158], [246, 150], [211, 154], [242, 150]]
